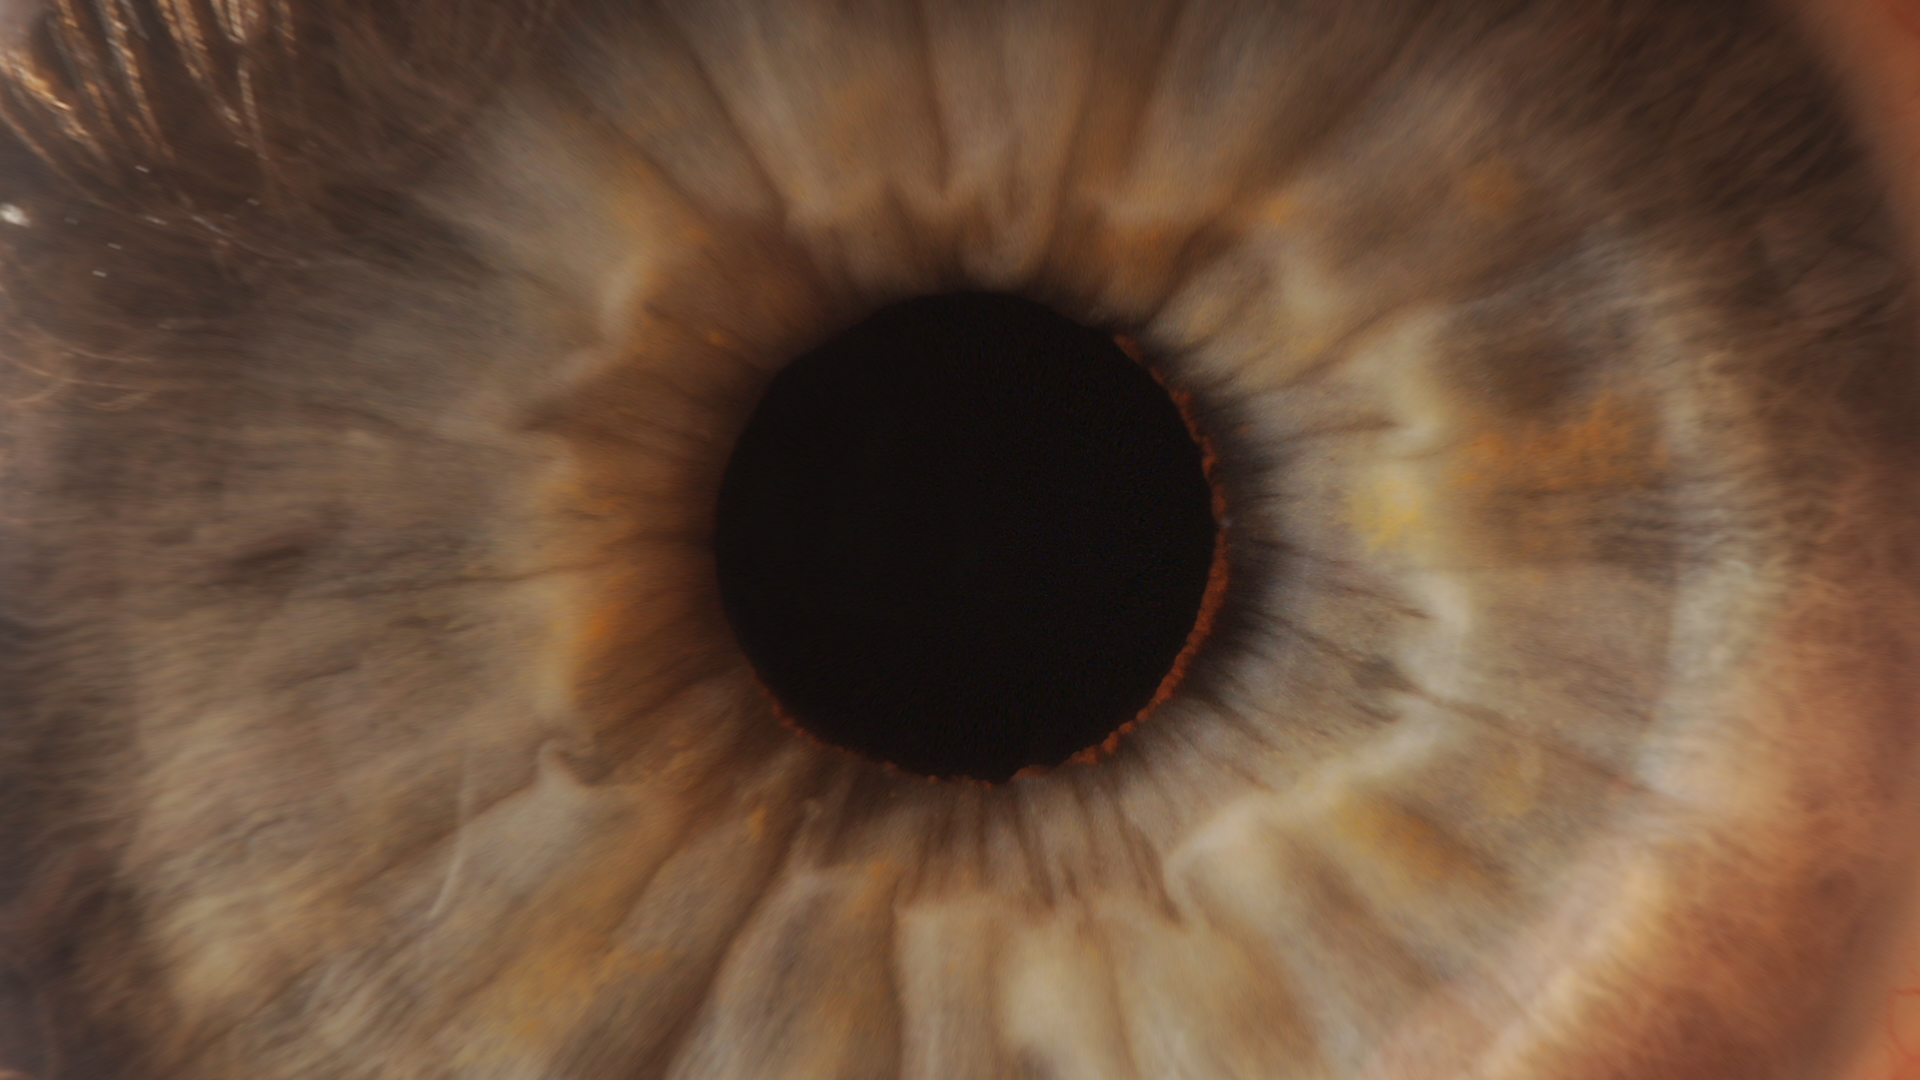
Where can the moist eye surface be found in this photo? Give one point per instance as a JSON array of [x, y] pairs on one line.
[[379, 701], [965, 537]]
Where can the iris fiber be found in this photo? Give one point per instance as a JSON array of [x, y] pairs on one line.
[[968, 536]]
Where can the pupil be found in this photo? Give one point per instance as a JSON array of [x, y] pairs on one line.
[[966, 537]]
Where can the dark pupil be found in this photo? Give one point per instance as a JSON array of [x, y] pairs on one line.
[[966, 537]]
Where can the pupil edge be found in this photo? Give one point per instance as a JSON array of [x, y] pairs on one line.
[[970, 538]]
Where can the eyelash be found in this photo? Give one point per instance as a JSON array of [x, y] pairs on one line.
[[275, 241]]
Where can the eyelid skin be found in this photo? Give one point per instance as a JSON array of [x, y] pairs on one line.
[[434, 759], [1873, 48]]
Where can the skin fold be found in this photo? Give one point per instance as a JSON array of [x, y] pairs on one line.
[[1874, 49], [367, 373]]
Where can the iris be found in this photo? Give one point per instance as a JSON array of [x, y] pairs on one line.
[[442, 461]]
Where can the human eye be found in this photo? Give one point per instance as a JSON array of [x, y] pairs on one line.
[[376, 699]]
